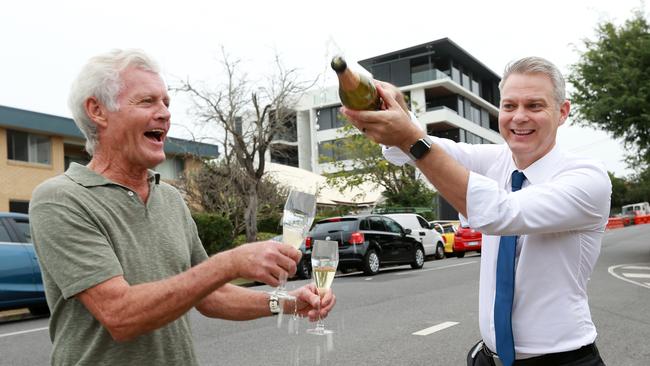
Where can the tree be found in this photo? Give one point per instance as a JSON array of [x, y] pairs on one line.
[[612, 85], [358, 160], [216, 189], [251, 115]]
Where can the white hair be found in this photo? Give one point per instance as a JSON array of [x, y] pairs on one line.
[[100, 78], [538, 65]]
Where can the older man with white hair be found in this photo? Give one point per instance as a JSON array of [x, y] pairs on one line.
[[121, 258]]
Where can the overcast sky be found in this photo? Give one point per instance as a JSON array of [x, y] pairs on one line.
[[45, 43]]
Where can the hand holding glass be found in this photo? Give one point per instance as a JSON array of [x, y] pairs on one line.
[[324, 260]]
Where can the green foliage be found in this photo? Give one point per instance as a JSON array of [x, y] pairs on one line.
[[215, 232], [261, 236], [366, 164], [631, 190], [271, 223], [612, 85]]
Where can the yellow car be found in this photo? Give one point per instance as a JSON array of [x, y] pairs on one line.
[[447, 229]]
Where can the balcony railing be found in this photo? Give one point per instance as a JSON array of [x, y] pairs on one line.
[[427, 75]]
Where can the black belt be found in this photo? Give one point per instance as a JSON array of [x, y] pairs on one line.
[[550, 358]]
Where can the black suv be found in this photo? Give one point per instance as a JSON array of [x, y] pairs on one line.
[[368, 242]]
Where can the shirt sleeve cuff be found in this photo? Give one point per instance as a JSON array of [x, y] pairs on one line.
[[394, 154]]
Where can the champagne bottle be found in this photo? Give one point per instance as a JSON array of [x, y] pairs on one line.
[[355, 90]]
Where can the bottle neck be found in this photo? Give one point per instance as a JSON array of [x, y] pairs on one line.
[[348, 80]]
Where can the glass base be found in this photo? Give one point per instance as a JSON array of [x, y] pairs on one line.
[[319, 331]]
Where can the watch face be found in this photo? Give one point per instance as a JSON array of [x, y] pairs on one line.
[[420, 148]]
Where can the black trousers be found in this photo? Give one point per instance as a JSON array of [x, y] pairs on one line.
[[585, 356]]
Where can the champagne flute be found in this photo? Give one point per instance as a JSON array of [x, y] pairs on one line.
[[324, 260], [299, 212]]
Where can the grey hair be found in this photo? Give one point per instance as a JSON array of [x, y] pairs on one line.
[[538, 65], [100, 78]]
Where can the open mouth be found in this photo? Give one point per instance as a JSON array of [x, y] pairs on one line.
[[522, 132], [156, 134]]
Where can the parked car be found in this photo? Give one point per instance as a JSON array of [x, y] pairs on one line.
[[368, 242], [448, 230], [466, 239], [303, 271], [421, 230], [21, 284]]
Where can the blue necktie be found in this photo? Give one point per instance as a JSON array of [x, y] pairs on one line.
[[506, 288]]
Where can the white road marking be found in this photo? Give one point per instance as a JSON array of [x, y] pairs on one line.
[[435, 328], [637, 275], [436, 268], [23, 332], [611, 271], [636, 267], [368, 278]]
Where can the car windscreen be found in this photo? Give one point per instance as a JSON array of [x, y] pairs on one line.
[[328, 227]]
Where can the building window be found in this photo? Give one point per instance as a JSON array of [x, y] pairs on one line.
[[284, 154], [19, 206], [329, 118], [23, 146], [172, 168]]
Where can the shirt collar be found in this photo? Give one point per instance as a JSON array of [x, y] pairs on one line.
[[541, 170], [86, 177]]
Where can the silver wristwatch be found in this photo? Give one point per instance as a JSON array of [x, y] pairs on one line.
[[274, 304]]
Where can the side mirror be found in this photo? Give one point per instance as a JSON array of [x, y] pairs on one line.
[[407, 231]]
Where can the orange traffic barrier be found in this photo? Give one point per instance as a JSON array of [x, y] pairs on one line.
[[641, 219], [615, 223]]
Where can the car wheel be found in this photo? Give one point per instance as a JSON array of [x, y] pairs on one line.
[[418, 261], [303, 271], [371, 263], [460, 254], [440, 251], [39, 310]]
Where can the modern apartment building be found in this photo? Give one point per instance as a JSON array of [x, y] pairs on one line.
[[36, 146], [453, 94]]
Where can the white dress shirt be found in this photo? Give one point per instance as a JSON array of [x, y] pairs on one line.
[[560, 216]]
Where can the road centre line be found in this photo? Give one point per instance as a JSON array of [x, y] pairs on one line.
[[23, 332], [637, 275], [435, 328], [436, 268], [611, 271], [636, 267]]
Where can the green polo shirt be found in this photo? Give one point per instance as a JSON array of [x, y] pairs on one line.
[[88, 229]]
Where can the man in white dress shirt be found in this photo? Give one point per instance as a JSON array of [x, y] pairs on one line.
[[556, 221]]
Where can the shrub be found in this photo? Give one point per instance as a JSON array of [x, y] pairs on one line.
[[215, 232], [261, 236]]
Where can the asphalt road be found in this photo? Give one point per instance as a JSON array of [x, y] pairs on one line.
[[402, 317]]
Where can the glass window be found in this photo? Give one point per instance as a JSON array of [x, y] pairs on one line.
[[339, 119], [28, 147], [19, 206], [423, 223], [325, 150], [324, 117], [392, 226], [171, 168], [475, 87], [4, 235], [485, 118], [455, 75], [466, 82], [476, 114], [23, 227], [376, 224]]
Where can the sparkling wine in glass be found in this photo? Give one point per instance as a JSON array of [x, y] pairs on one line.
[[324, 260], [299, 212]]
